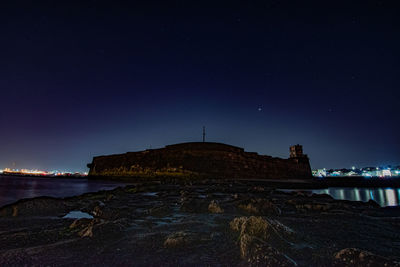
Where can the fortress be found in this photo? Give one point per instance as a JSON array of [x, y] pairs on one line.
[[202, 160]]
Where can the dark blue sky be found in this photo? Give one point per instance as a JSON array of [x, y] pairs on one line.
[[80, 80]]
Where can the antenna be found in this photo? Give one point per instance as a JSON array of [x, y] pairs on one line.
[[204, 134]]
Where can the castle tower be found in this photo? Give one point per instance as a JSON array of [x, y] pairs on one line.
[[296, 151]]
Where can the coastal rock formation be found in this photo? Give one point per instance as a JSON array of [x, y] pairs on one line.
[[259, 253], [357, 257], [182, 224], [37, 206], [206, 160]]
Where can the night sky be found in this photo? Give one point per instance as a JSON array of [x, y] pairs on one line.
[[94, 78]]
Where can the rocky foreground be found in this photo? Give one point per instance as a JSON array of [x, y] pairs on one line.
[[229, 224]]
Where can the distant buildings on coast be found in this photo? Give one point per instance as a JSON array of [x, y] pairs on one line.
[[367, 172], [26, 172]]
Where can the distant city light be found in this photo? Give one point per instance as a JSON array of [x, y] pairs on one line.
[[35, 172], [367, 172]]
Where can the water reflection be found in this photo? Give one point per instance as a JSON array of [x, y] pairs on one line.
[[391, 197], [14, 188], [383, 196]]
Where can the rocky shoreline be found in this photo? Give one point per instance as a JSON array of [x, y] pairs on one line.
[[229, 223]]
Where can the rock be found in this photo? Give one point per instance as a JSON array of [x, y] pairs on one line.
[[106, 212], [40, 206], [214, 207], [177, 239], [80, 223], [253, 226], [254, 231], [98, 211], [258, 253], [358, 257], [245, 243], [131, 229], [314, 207], [371, 203], [309, 205], [272, 231], [87, 231], [131, 189], [236, 224], [283, 230], [325, 203], [249, 208], [103, 229], [260, 207]]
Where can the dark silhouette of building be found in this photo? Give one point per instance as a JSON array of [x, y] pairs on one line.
[[202, 159], [296, 151]]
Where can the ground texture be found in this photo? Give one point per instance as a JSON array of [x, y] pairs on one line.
[[199, 224]]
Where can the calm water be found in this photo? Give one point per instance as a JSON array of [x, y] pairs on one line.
[[383, 196], [15, 188]]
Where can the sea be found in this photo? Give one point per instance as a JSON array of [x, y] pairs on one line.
[[383, 196], [14, 188]]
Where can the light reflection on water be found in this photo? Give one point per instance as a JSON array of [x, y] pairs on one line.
[[383, 196], [14, 188]]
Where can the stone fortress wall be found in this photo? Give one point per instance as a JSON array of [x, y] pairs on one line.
[[202, 159]]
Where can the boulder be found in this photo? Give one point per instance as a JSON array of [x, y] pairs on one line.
[[214, 207], [253, 226], [258, 253], [260, 207], [275, 233], [358, 257], [178, 239]]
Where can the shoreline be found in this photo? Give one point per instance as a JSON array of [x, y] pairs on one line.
[[312, 183], [232, 223], [72, 177], [276, 184]]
